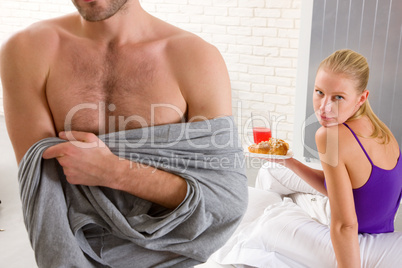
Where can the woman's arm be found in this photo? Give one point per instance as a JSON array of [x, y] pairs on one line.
[[314, 177], [344, 226]]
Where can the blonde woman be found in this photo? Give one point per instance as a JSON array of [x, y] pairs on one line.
[[362, 170]]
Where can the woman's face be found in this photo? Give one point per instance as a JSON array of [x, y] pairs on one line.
[[335, 98]]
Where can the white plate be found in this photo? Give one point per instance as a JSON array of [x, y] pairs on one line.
[[269, 156]]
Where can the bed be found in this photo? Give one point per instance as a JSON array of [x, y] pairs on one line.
[[286, 225]]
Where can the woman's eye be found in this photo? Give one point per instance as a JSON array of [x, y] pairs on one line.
[[319, 92], [338, 98]]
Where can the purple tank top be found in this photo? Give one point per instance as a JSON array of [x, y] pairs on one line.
[[377, 201]]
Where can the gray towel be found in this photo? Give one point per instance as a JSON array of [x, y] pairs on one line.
[[81, 226]]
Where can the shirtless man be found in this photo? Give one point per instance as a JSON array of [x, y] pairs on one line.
[[110, 58]]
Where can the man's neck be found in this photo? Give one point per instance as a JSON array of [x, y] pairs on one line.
[[128, 25]]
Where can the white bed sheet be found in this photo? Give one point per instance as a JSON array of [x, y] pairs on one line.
[[277, 232]]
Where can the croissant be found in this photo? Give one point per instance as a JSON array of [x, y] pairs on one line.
[[273, 146]]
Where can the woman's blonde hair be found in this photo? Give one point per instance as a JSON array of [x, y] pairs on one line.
[[354, 66]]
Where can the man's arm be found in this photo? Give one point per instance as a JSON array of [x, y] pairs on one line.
[[24, 66], [87, 161], [203, 78]]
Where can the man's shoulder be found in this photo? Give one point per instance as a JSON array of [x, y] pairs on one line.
[[32, 49], [37, 37], [185, 49], [201, 74], [178, 41], [185, 42]]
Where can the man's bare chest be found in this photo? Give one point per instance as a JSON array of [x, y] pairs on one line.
[[87, 89], [107, 73]]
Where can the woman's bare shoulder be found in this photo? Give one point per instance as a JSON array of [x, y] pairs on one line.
[[325, 135], [334, 143]]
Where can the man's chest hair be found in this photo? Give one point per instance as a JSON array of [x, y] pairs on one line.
[[113, 73]]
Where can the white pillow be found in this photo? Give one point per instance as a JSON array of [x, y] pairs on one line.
[[258, 201], [282, 180]]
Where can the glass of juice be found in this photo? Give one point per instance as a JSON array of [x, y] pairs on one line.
[[261, 128], [261, 134]]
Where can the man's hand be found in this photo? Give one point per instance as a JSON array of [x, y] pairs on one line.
[[85, 159]]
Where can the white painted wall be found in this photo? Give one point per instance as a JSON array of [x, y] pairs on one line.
[[259, 40], [302, 78]]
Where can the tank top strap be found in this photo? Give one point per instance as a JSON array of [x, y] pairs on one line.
[[361, 145]]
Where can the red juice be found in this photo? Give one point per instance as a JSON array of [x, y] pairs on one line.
[[261, 134]]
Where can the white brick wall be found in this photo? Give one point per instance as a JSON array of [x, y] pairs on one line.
[[257, 38]]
